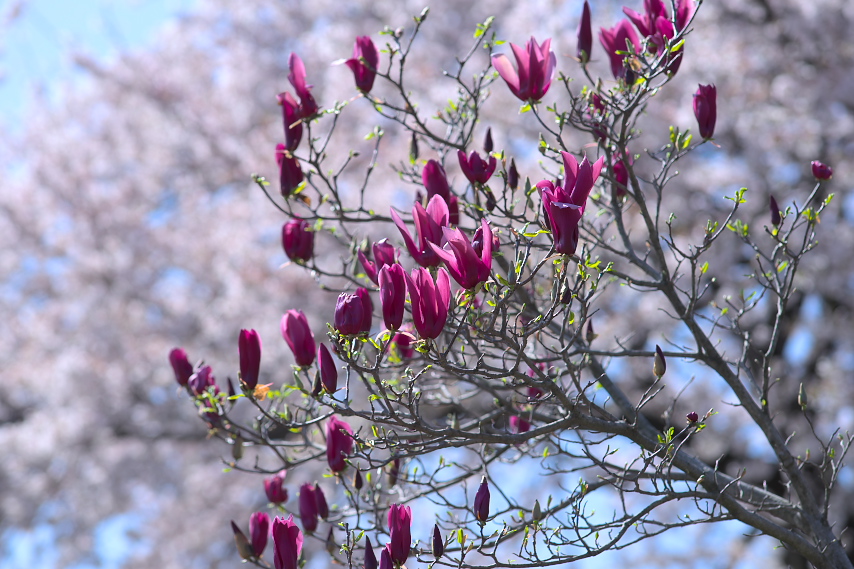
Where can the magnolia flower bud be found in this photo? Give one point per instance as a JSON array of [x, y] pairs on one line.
[[370, 556], [513, 175], [705, 109], [438, 543], [181, 366], [487, 142], [287, 541], [349, 314], [802, 397], [821, 171], [244, 548], [259, 531], [776, 219], [308, 507], [328, 371], [339, 443], [490, 199], [590, 335], [399, 525], [249, 350], [659, 364], [585, 35], [413, 148], [364, 63], [481, 502], [275, 489], [692, 417]]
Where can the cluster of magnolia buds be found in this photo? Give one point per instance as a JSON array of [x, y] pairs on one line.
[[288, 538]]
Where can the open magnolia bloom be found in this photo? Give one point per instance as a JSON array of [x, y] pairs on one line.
[[564, 206], [536, 65], [428, 224], [430, 301], [464, 264]]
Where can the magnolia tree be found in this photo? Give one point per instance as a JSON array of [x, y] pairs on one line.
[[462, 347]]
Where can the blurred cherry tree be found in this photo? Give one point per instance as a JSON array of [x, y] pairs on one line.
[[132, 225]]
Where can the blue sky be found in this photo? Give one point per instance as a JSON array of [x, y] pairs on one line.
[[38, 36]]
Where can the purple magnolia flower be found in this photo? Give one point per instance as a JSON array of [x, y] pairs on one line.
[[322, 506], [428, 224], [308, 106], [776, 218], [438, 542], [706, 109], [308, 508], [259, 530], [297, 334], [585, 35], [249, 349], [821, 171], [481, 501], [655, 22], [348, 314], [513, 175], [291, 120], [614, 40], [536, 69], [200, 381], [435, 181], [430, 301], [564, 206], [274, 487], [476, 169], [181, 366], [384, 254], [399, 525], [645, 23], [463, 263], [392, 295], [290, 173], [488, 145], [370, 556], [339, 443], [364, 63], [287, 540], [328, 370], [298, 240], [692, 417]]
